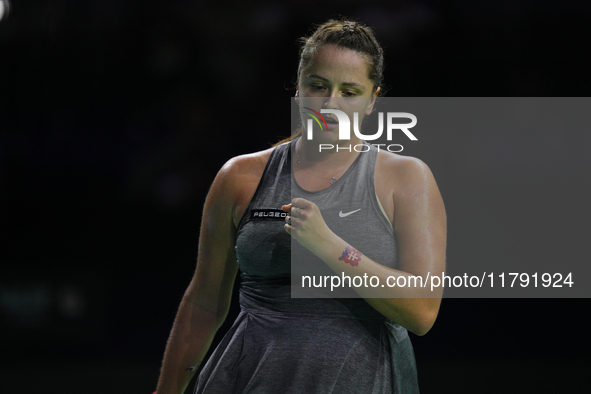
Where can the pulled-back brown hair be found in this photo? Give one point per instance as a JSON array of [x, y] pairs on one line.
[[347, 34]]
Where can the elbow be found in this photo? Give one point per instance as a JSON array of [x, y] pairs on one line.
[[424, 321], [207, 316], [421, 329]]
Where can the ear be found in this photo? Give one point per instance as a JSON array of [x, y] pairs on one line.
[[297, 96], [372, 102]]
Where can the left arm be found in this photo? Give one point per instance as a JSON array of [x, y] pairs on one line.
[[420, 230]]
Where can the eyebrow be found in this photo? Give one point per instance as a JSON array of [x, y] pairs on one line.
[[353, 84]]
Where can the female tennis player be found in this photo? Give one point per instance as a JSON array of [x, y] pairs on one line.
[[351, 213]]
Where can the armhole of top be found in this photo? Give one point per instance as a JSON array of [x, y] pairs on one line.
[[373, 187], [257, 191], [383, 210]]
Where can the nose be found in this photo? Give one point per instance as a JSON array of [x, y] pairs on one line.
[[332, 100]]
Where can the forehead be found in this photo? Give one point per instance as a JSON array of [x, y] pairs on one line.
[[339, 65]]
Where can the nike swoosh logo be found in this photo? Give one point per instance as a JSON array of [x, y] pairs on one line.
[[344, 215]]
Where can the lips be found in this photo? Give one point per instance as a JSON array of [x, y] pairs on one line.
[[331, 119]]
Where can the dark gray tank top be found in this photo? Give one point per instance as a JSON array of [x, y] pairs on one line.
[[280, 344], [350, 208]]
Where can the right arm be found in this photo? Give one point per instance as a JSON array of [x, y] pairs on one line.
[[206, 301]]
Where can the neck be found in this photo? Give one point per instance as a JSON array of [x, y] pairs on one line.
[[315, 169]]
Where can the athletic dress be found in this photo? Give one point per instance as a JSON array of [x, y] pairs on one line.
[[280, 344]]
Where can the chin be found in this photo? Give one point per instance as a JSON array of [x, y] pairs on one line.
[[327, 137]]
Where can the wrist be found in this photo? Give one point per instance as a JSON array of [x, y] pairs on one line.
[[329, 247]]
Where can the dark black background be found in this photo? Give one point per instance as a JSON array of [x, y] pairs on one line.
[[116, 115]]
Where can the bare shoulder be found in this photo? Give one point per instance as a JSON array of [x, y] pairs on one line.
[[251, 164], [237, 180], [403, 173]]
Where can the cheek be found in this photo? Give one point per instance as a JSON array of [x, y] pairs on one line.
[[361, 108], [361, 117], [311, 102]]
